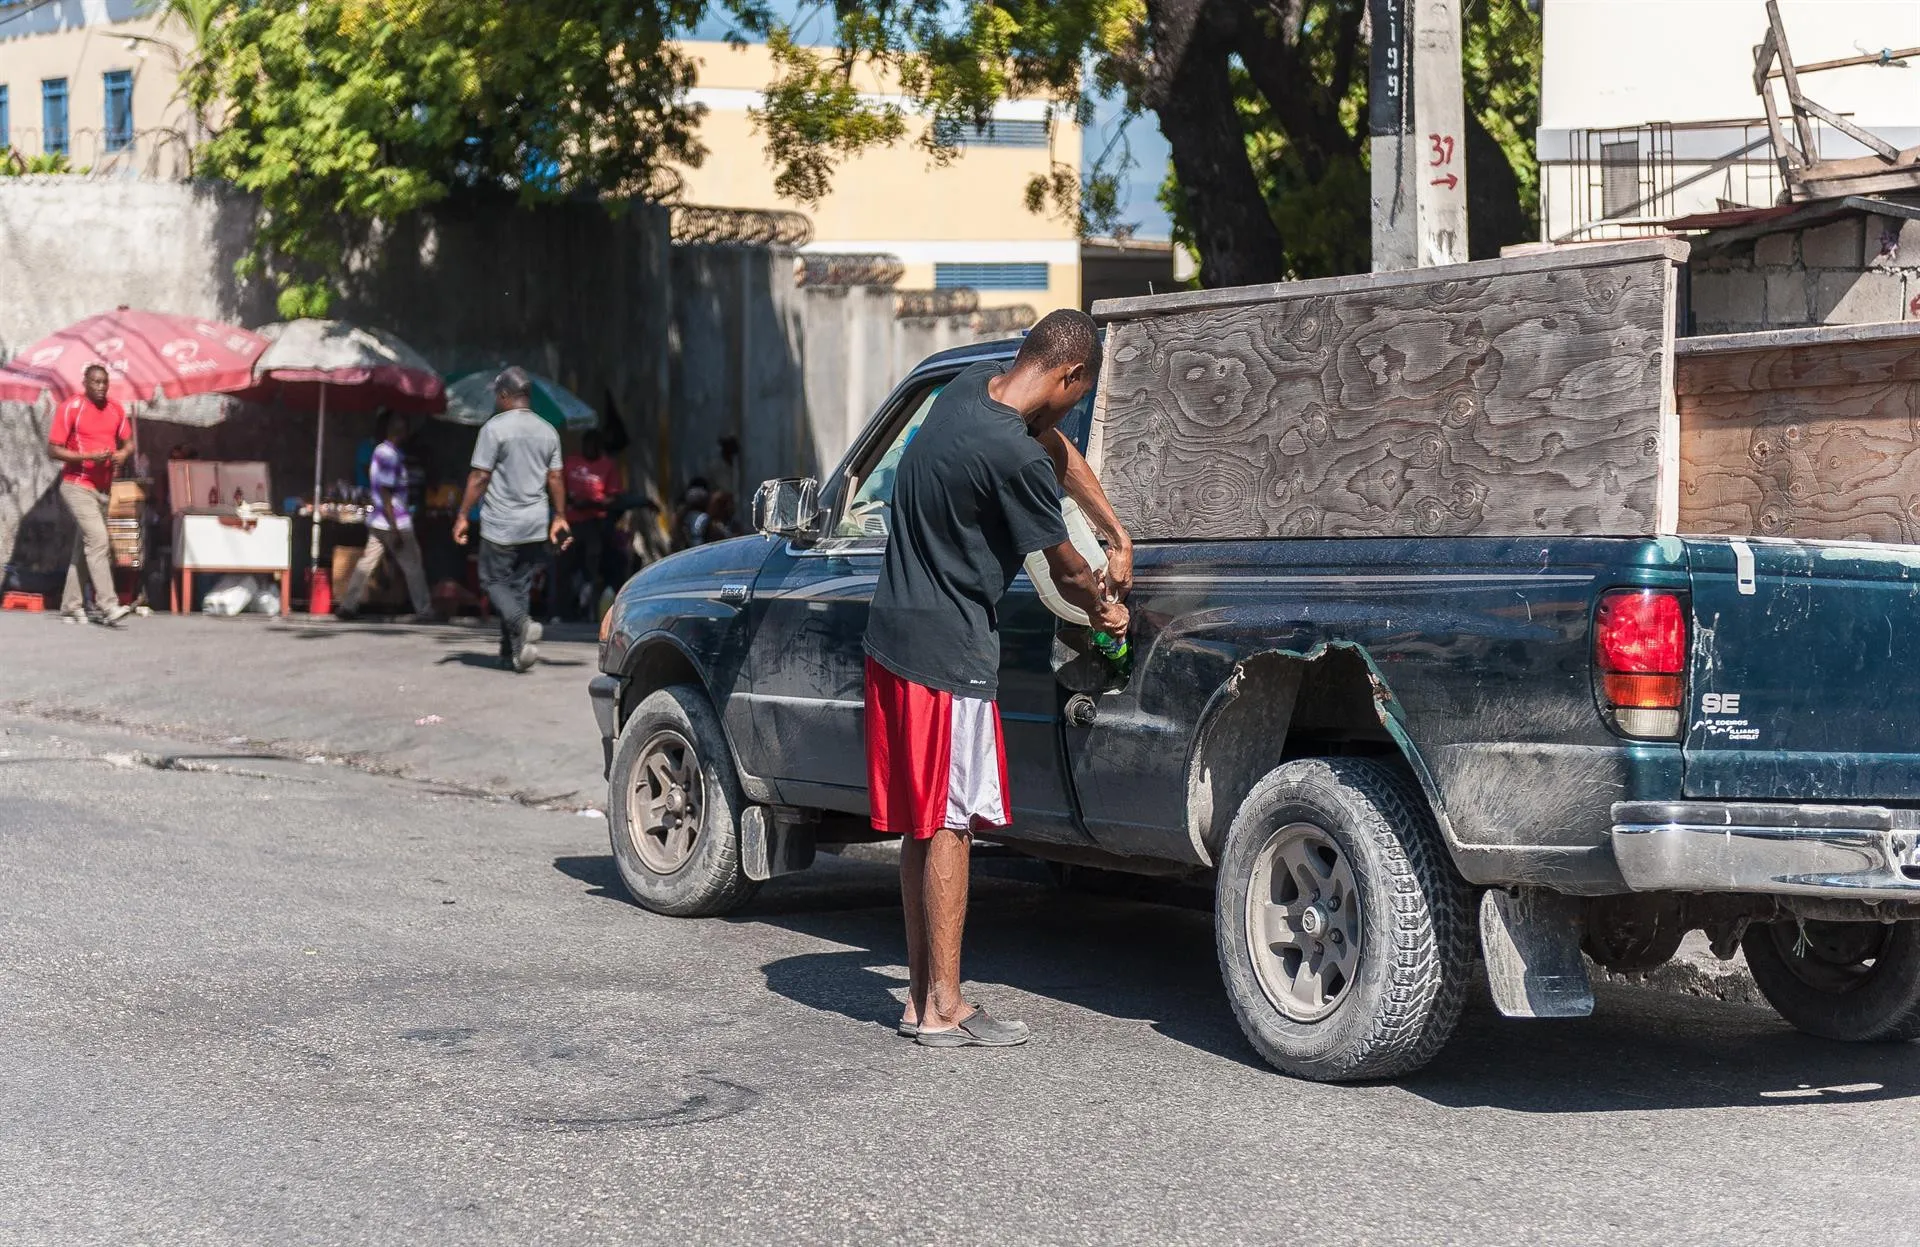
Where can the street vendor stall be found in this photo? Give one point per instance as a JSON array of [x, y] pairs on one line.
[[323, 365]]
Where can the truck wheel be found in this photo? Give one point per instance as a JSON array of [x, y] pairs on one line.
[[1857, 981], [674, 806], [1345, 938]]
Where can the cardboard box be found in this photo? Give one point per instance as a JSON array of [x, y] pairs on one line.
[[127, 501]]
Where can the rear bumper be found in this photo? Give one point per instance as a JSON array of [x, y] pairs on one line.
[[1858, 852], [604, 692]]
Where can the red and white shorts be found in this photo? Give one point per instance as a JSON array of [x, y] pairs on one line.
[[934, 761]]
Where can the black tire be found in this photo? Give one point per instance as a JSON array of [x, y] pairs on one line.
[[674, 722], [1413, 945], [1825, 985]]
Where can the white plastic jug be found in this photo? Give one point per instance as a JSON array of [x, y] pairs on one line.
[[1081, 534]]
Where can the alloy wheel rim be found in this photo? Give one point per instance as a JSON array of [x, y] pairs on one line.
[[1304, 922], [664, 802]]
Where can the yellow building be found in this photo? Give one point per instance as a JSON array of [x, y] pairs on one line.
[[962, 224], [97, 82]]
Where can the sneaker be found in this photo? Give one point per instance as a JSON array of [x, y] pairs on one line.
[[528, 655], [73, 617], [533, 633], [120, 611]]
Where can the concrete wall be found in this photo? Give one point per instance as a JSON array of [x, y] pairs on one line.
[[1852, 271], [687, 345], [790, 373]]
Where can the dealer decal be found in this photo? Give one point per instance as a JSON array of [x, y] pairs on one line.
[[1721, 718]]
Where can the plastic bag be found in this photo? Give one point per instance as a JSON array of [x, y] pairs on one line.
[[230, 595]]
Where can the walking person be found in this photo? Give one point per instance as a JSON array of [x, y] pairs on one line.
[[517, 482], [92, 436], [389, 525], [975, 493]]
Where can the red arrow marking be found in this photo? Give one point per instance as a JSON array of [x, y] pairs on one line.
[[1451, 181]]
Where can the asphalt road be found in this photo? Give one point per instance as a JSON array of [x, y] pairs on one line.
[[274, 1002]]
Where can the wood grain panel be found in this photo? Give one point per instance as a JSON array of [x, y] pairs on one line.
[[1839, 462], [1485, 400], [1795, 358]]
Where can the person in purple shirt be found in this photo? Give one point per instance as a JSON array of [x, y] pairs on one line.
[[389, 526]]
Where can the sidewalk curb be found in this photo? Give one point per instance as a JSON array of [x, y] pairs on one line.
[[306, 753]]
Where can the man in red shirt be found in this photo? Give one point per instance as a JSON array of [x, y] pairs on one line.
[[593, 481], [91, 436]]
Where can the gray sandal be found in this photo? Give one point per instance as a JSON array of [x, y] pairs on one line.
[[907, 1030], [978, 1031]]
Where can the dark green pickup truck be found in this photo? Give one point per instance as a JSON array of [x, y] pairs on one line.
[[1391, 757]]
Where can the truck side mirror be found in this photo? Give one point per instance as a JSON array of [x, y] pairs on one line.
[[788, 508]]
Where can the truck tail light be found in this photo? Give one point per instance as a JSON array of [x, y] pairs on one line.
[[1640, 659]]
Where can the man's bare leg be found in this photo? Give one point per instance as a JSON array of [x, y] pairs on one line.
[[949, 861], [913, 873]]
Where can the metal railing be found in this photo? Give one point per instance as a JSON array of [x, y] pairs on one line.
[[1626, 180], [161, 152], [823, 268], [745, 227]]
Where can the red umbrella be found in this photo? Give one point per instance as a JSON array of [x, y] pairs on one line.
[[148, 356]]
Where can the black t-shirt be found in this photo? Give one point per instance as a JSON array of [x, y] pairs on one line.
[[973, 496]]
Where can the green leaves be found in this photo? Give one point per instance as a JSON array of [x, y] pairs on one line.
[[339, 114]]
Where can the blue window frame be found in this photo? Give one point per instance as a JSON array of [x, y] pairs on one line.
[[119, 110], [53, 116], [990, 276], [6, 120]]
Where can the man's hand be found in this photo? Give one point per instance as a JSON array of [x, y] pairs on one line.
[[1120, 567], [560, 533], [460, 529], [1111, 618]]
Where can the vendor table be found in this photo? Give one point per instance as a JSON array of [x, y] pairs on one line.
[[231, 545]]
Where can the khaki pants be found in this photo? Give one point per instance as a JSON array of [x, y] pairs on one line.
[[405, 549], [92, 551]]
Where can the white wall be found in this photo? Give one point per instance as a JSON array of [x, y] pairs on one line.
[[1624, 62]]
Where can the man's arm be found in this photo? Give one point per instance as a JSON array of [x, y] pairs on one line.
[[123, 451], [1077, 478], [1075, 579], [559, 532], [477, 480]]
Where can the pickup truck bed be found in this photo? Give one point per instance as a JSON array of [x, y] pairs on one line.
[[1381, 750]]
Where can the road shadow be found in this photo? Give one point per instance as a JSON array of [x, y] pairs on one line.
[[1145, 961], [1645, 1050], [1122, 959], [490, 659], [597, 872]]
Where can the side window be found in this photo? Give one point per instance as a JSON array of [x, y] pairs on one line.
[[868, 512]]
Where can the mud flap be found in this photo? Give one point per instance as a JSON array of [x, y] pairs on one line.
[[1532, 943], [771, 846]]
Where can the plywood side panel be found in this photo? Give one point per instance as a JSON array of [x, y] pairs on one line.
[[1839, 462], [1797, 359], [1524, 403]]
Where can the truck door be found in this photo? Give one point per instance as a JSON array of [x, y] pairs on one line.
[[1805, 671], [806, 667]]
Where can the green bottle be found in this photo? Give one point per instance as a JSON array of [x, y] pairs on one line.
[[1116, 651]]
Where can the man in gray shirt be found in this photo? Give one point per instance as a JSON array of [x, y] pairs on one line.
[[516, 466]]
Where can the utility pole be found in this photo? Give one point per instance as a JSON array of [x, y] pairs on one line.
[[1417, 122]]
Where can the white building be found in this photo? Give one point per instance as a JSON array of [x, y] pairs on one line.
[[1648, 109]]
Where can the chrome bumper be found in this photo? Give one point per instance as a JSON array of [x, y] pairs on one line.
[[604, 692], [1856, 852]]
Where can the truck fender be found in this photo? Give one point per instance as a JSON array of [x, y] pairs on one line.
[[1247, 726]]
